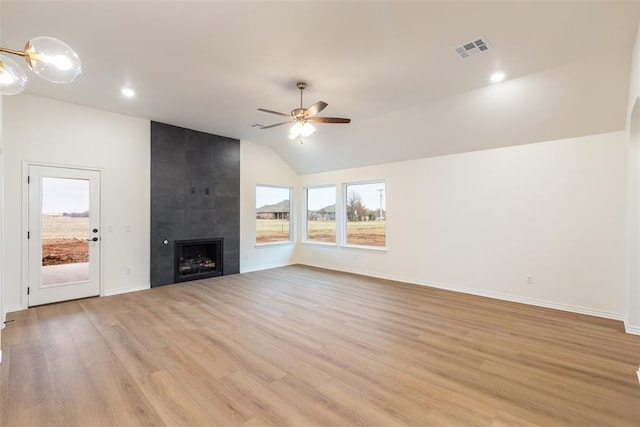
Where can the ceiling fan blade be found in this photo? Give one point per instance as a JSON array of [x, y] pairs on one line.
[[277, 124], [329, 120], [274, 112], [315, 109]]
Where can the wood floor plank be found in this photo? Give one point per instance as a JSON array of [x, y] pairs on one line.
[[172, 403], [73, 398], [290, 358], [310, 347], [205, 390], [123, 399]]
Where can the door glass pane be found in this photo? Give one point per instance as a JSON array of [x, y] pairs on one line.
[[65, 229]]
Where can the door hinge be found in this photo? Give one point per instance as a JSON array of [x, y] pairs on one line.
[[28, 179], [28, 290], [28, 235]]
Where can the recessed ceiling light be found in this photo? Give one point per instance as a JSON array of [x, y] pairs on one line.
[[127, 92], [497, 77]]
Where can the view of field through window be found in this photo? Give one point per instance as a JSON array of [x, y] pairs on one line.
[[366, 214], [364, 209], [321, 214], [65, 221], [273, 210]]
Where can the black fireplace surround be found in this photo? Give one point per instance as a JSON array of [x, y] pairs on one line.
[[195, 195], [197, 259]]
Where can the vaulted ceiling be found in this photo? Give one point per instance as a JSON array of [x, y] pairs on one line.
[[388, 65]]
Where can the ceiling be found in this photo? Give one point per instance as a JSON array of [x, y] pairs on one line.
[[388, 65]]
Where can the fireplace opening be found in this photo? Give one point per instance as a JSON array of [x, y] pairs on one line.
[[197, 259]]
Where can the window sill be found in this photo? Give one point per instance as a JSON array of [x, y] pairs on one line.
[[314, 243], [267, 244], [366, 248]]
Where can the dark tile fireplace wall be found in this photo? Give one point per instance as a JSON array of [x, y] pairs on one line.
[[195, 194]]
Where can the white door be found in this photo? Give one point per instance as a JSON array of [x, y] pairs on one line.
[[64, 234]]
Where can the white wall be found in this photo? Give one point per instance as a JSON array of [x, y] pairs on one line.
[[477, 222], [632, 320], [259, 164], [480, 222], [46, 131], [2, 316]]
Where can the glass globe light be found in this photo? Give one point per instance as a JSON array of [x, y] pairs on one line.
[[13, 79], [307, 130], [296, 130], [301, 130], [53, 60]]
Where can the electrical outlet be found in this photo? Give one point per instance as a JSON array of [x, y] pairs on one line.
[[128, 271], [529, 280]]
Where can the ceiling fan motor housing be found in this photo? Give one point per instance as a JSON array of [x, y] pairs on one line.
[[298, 113]]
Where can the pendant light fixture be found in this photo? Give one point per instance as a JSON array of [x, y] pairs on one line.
[[49, 58]]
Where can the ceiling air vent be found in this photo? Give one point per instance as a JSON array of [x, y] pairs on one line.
[[477, 45]]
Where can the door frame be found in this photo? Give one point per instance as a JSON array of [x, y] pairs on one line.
[[24, 254]]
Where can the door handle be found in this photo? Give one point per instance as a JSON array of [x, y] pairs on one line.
[[95, 239]]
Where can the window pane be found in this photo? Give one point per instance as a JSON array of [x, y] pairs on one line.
[[366, 214], [321, 214], [273, 209]]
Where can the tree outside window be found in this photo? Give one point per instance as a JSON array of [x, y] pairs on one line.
[[365, 214], [321, 214]]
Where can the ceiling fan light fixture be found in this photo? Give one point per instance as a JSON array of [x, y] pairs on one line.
[[296, 129], [308, 129], [301, 129]]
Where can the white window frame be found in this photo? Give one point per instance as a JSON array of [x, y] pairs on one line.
[[291, 217], [305, 210], [343, 218]]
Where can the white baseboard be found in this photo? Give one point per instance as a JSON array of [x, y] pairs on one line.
[[631, 329], [264, 267], [13, 308], [479, 292], [126, 290]]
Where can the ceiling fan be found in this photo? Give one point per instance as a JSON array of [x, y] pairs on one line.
[[301, 117]]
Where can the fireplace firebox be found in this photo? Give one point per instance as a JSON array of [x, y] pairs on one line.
[[197, 259]]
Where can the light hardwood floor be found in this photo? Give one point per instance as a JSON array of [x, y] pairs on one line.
[[303, 346]]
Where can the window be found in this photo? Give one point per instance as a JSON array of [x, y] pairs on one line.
[[365, 214], [321, 214], [273, 210]]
